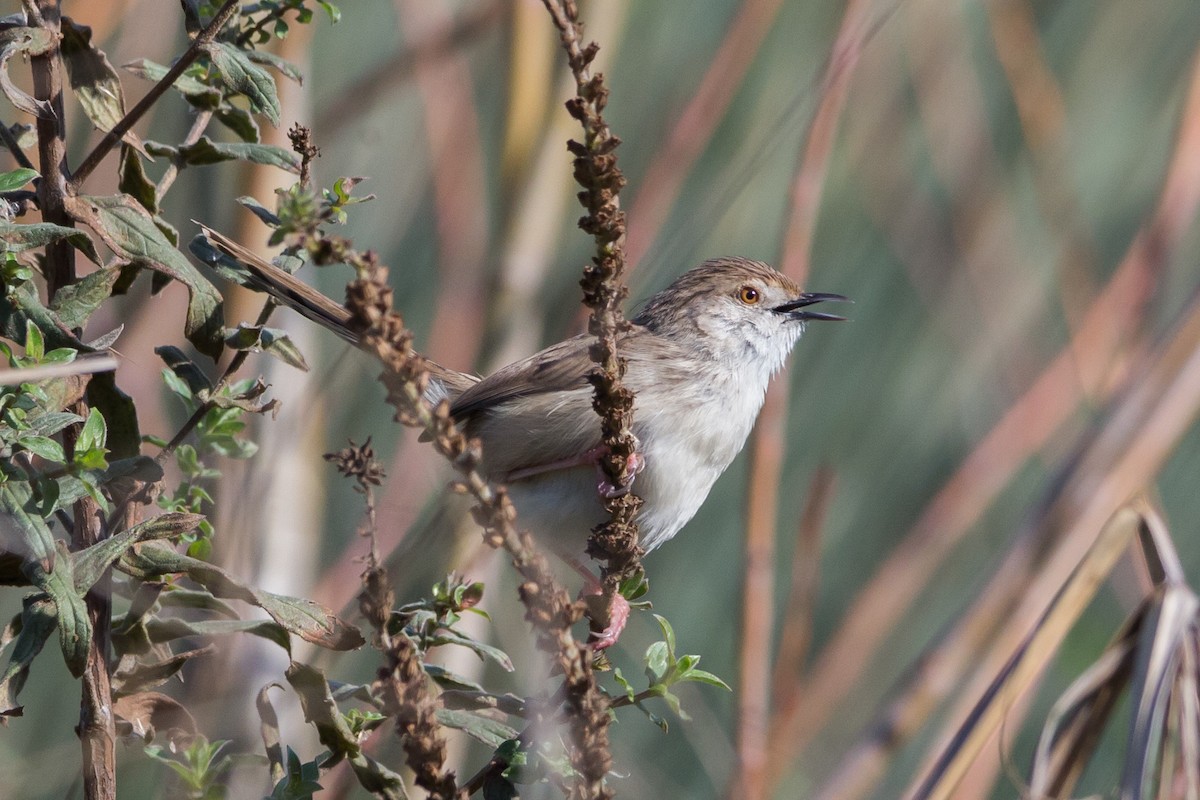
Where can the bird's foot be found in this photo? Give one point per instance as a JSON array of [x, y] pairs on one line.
[[612, 612], [633, 465]]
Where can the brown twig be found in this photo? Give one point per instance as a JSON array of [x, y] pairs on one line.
[[113, 137], [400, 683], [199, 125], [615, 542], [97, 732]]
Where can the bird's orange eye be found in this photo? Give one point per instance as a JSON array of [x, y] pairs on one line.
[[749, 295]]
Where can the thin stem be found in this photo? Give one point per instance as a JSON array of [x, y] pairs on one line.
[[113, 137], [199, 125]]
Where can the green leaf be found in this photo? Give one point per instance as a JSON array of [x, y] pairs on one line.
[[335, 13], [657, 662], [206, 151], [238, 120], [260, 211], [197, 92], [16, 178], [480, 728], [135, 182], [273, 341], [285, 68], [484, 651], [19, 238], [74, 629], [702, 676], [624, 683], [45, 447], [94, 433], [241, 75], [35, 343], [38, 620], [51, 422], [130, 231], [194, 380], [162, 630], [306, 619], [93, 79], [300, 783], [668, 636], [76, 302], [91, 562], [30, 538], [72, 487], [26, 42], [319, 709]]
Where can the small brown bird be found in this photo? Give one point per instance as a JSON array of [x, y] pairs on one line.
[[699, 357]]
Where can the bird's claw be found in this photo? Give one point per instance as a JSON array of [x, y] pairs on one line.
[[606, 488], [616, 613]]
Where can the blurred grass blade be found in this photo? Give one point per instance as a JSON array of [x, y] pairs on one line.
[[1034, 654], [1163, 635], [1069, 736]]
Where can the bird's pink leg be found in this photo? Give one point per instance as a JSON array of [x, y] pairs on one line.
[[612, 612], [617, 615], [633, 465]]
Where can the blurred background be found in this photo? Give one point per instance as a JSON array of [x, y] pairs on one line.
[[1007, 190]]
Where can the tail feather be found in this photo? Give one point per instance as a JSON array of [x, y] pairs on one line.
[[256, 272]]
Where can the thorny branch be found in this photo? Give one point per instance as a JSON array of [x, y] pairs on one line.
[[616, 541]]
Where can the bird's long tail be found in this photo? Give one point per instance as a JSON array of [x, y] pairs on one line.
[[243, 266]]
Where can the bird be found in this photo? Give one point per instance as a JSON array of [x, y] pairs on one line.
[[699, 357]]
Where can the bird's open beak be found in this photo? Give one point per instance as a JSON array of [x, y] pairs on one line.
[[792, 307]]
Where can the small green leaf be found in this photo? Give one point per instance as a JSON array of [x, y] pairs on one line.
[[479, 727], [656, 661], [484, 651], [241, 75], [35, 343], [260, 211], [44, 447], [668, 636], [16, 178], [182, 376], [285, 68], [239, 120], [206, 151], [135, 182], [273, 341], [94, 433], [76, 302], [195, 91], [702, 676], [26, 237], [335, 13], [38, 618]]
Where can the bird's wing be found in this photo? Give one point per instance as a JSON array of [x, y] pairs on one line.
[[534, 412]]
